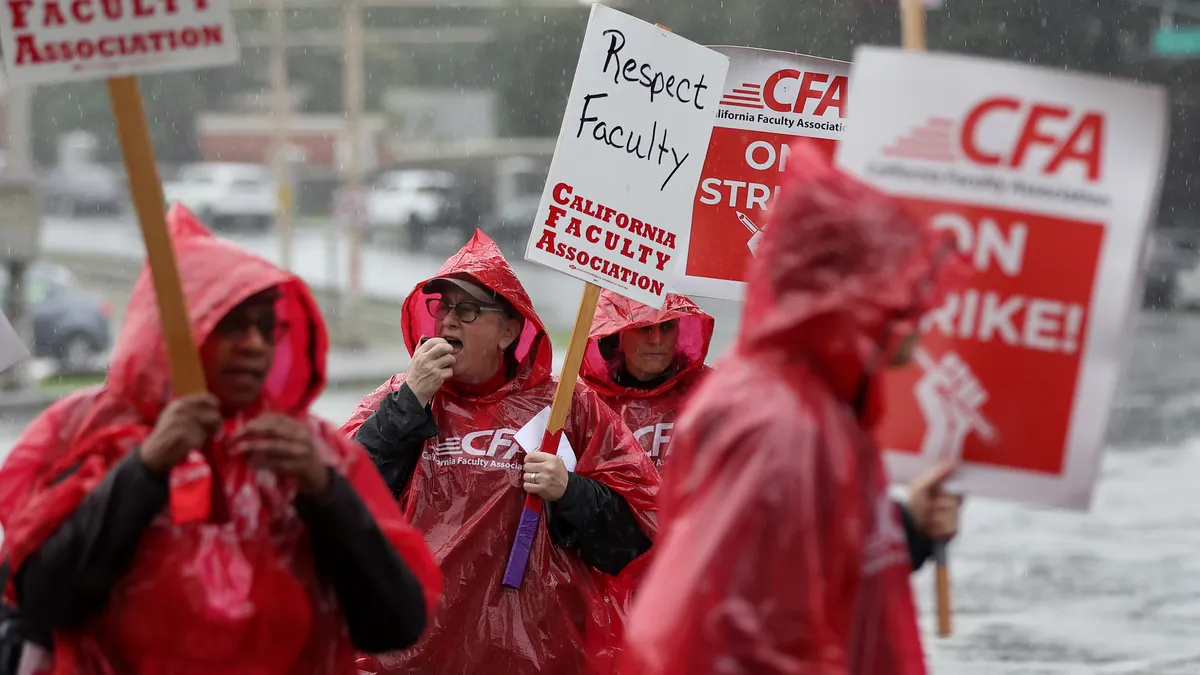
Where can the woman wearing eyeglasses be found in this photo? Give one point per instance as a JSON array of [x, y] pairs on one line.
[[442, 436], [229, 531]]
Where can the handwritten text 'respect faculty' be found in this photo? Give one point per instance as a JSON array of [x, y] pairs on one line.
[[660, 86]]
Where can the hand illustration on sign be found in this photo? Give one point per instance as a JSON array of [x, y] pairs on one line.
[[756, 233], [950, 396]]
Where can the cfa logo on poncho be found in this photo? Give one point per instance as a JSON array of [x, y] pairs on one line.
[[655, 439], [490, 448]]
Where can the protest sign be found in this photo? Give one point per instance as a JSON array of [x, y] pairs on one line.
[[617, 205], [770, 99], [1047, 182], [51, 41], [617, 202], [11, 347]]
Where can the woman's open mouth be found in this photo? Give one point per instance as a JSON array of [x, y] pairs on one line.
[[454, 343]]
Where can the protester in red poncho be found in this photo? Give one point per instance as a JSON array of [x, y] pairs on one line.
[[140, 560], [644, 362], [780, 550], [442, 436]]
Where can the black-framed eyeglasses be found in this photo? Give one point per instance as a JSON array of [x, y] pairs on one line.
[[466, 311], [268, 325]]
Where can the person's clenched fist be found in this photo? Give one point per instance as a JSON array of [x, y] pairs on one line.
[[286, 446], [545, 476], [935, 511], [432, 364], [186, 424]]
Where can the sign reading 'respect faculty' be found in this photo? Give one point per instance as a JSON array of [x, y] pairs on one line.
[[47, 41], [617, 208], [1047, 182]]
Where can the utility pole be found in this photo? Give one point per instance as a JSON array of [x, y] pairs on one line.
[[19, 127], [352, 82], [281, 112], [19, 105]]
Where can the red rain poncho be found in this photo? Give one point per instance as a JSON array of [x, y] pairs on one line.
[[469, 510], [649, 413], [780, 550], [201, 597]]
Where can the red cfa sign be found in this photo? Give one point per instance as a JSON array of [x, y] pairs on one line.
[[1047, 181], [48, 41], [1008, 132], [770, 100]]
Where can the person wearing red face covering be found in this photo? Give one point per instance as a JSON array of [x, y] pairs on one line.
[[283, 552], [442, 435], [780, 550]]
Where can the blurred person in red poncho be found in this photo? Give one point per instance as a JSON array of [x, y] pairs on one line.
[[442, 435], [781, 551], [283, 552], [646, 362]]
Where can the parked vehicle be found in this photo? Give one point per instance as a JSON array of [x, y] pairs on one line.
[[83, 188], [406, 205], [1172, 268], [70, 325], [226, 194], [500, 195]]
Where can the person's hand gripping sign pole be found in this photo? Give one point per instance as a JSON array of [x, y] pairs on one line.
[[44, 45], [518, 559], [614, 213], [912, 27]]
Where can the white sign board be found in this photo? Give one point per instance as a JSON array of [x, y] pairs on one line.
[[1047, 182], [11, 347], [49, 41], [770, 100], [617, 207]]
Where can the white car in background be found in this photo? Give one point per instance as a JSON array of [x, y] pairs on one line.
[[407, 205], [226, 194]]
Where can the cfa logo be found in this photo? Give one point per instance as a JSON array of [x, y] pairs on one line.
[[495, 443], [655, 439], [790, 91], [1006, 131]]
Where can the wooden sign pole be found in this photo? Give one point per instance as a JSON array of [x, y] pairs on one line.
[[912, 24], [518, 557], [187, 375], [912, 28]]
